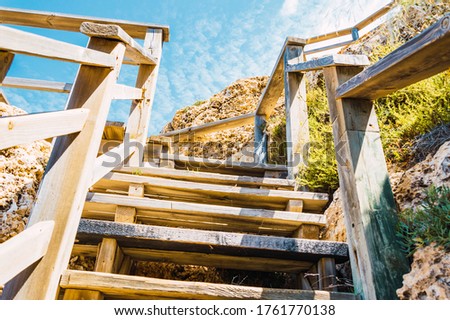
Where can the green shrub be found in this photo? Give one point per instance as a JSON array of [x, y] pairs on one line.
[[429, 223], [320, 171]]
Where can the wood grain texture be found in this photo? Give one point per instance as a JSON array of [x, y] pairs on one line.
[[123, 92], [370, 211], [24, 250], [6, 59], [422, 57], [31, 44], [260, 154], [328, 61], [297, 125], [148, 288], [140, 111], [275, 85], [117, 181], [216, 178], [202, 216], [135, 52], [68, 173], [22, 129], [225, 243], [35, 84], [69, 22]]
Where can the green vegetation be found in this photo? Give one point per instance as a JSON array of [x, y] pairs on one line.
[[428, 224], [403, 116], [320, 171]]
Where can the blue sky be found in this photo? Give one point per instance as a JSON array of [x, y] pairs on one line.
[[213, 43]]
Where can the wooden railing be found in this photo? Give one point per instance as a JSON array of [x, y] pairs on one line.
[[370, 211], [73, 166], [293, 48]]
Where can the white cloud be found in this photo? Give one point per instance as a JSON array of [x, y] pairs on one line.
[[289, 7]]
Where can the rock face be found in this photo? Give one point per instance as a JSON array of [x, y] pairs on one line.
[[335, 229], [409, 187], [429, 278], [21, 169], [241, 97]]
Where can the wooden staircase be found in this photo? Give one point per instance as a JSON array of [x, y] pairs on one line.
[[205, 219]]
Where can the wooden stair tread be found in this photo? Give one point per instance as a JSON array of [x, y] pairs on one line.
[[199, 176], [182, 214], [133, 287], [225, 166], [212, 242], [250, 263], [212, 193]]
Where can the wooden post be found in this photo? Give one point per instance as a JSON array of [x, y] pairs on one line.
[[137, 127], [260, 143], [297, 128], [105, 262], [370, 211], [6, 59], [326, 268], [69, 171]]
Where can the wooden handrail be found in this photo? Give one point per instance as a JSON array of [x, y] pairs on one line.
[[423, 56], [347, 31], [275, 86], [210, 127], [36, 84], [31, 44], [69, 22], [135, 52], [25, 249], [327, 61], [27, 128]]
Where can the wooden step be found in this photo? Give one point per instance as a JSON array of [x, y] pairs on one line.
[[223, 166], [211, 193], [250, 263], [195, 215], [210, 242], [216, 178], [133, 287]]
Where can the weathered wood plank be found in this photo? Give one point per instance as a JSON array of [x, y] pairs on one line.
[[251, 263], [6, 59], [27, 128], [217, 178], [212, 164], [140, 111], [425, 55], [329, 47], [145, 288], [104, 263], [370, 211], [297, 126], [23, 250], [64, 186], [211, 127], [328, 61], [69, 22], [225, 243], [34, 84], [312, 201], [327, 274], [260, 154], [105, 205], [135, 52], [123, 92], [31, 44], [275, 85]]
